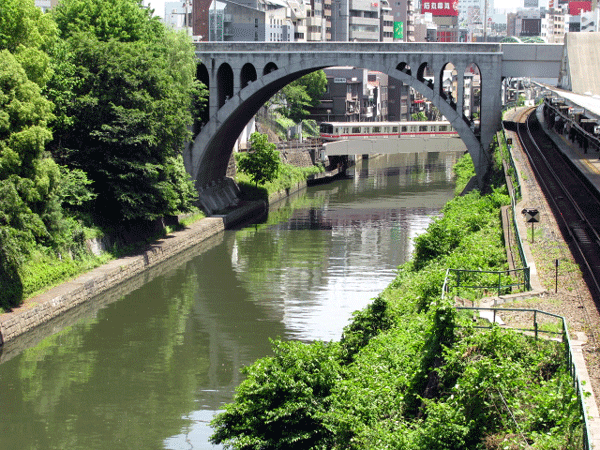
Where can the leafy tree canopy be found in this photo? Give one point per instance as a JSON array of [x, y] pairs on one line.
[[262, 162], [419, 116], [33, 188], [302, 94], [295, 102], [28, 34], [315, 85], [124, 94], [122, 20]]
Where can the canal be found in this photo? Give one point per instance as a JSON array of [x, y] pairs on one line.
[[147, 365]]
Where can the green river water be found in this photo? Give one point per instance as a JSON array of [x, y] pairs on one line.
[[147, 365]]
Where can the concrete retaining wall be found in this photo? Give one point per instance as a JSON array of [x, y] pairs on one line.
[[39, 310]]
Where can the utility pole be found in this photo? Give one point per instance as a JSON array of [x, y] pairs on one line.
[[485, 9]]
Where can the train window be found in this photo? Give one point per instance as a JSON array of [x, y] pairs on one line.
[[336, 130], [422, 128], [386, 130], [346, 130], [404, 129], [326, 128], [443, 128], [376, 129], [355, 129], [413, 129], [395, 129]]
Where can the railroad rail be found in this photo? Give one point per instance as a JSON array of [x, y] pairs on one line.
[[574, 202]]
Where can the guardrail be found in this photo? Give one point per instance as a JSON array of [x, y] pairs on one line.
[[536, 330], [464, 276]]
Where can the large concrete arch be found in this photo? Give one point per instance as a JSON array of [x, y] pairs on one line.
[[207, 159]]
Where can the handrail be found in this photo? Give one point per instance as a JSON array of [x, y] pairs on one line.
[[568, 353], [498, 286], [526, 270]]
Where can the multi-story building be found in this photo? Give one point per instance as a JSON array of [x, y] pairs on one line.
[[231, 21], [403, 13], [358, 21], [178, 15], [386, 27], [425, 29], [445, 15], [353, 95], [546, 23], [553, 27]]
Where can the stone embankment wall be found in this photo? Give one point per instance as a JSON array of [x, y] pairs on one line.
[[57, 301], [39, 310], [298, 158]]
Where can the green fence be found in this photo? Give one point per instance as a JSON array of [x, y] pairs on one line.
[[541, 324]]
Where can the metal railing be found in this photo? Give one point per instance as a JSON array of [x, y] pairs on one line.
[[463, 276], [561, 330]]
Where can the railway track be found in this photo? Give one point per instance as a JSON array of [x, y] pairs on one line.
[[576, 204]]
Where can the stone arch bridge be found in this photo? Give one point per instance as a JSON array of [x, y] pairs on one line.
[[242, 76]]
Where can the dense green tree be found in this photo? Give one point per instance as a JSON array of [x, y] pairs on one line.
[[124, 90], [301, 94], [315, 85], [262, 162], [33, 188], [419, 116], [28, 34], [282, 402]]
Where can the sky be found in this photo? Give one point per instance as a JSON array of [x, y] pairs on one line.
[[157, 5]]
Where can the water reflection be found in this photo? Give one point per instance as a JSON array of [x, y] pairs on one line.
[[147, 365]]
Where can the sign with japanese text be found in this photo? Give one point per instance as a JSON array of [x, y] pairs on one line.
[[445, 8]]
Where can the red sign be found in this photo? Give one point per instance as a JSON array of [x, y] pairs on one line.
[[440, 8], [576, 8]]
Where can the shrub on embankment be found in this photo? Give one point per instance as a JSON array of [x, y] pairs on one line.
[[410, 372], [287, 177]]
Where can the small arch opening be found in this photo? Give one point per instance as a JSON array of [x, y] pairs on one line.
[[247, 75], [472, 98], [201, 109], [269, 68], [224, 84], [404, 67], [425, 75], [448, 89]]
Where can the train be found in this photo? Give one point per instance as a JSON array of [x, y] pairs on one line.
[[335, 131]]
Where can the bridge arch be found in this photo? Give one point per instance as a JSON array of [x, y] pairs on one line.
[[204, 78], [247, 75], [208, 157], [405, 68], [270, 67], [225, 83]]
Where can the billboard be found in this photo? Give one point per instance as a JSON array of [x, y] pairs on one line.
[[576, 8], [445, 8], [398, 30]]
